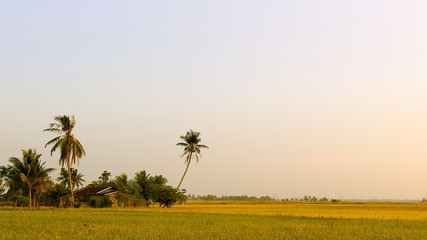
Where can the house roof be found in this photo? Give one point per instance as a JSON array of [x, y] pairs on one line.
[[91, 190], [104, 190]]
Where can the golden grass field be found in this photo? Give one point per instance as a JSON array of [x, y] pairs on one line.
[[222, 220]]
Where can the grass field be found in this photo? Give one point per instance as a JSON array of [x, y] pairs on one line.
[[222, 220]]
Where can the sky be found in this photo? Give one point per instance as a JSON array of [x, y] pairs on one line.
[[324, 98]]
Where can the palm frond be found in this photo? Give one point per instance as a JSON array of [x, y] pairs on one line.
[[55, 145], [55, 130], [80, 150], [53, 141]]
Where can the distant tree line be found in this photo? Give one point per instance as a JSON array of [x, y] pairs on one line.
[[307, 199], [211, 197]]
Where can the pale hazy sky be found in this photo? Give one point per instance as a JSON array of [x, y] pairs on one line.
[[294, 98]]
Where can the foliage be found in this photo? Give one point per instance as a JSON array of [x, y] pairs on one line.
[[22, 201], [211, 197], [310, 199], [105, 176], [167, 196], [142, 190], [106, 202], [71, 150], [181, 196], [1, 186], [6, 203], [3, 171], [155, 190], [55, 195], [191, 148], [149, 185], [104, 180], [76, 178], [307, 199], [28, 174], [129, 194]]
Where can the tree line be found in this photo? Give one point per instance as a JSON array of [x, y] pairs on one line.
[[211, 197], [28, 181]]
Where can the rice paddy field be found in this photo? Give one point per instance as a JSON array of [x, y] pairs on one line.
[[222, 220]]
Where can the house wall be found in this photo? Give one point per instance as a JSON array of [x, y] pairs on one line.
[[95, 201], [82, 198], [113, 199], [84, 205]]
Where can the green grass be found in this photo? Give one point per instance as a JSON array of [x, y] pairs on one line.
[[221, 221]]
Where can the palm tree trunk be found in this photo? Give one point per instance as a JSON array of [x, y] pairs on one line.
[[70, 183], [36, 200], [29, 197], [185, 172]]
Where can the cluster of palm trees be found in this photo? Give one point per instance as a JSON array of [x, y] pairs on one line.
[[30, 174]]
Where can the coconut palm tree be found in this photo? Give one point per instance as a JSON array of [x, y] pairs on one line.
[[71, 150], [28, 174], [105, 176], [191, 148], [76, 178]]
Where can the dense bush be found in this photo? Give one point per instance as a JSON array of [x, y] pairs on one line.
[[167, 196], [54, 196], [22, 201]]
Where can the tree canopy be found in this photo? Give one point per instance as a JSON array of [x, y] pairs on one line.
[[28, 174]]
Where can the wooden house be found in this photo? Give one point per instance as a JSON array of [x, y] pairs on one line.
[[97, 197]]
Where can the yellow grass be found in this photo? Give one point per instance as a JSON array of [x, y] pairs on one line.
[[223, 220], [368, 210]]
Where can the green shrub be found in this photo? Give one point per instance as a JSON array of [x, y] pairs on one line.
[[22, 201], [106, 202], [7, 204]]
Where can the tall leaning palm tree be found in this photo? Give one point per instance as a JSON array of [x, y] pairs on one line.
[[191, 149], [71, 150]]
